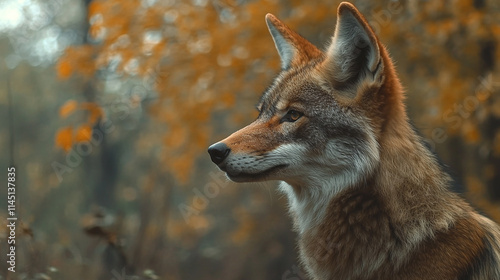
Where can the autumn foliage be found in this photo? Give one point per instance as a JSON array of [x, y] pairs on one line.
[[200, 56], [196, 69], [66, 137]]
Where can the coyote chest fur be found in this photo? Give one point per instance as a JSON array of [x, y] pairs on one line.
[[368, 200]]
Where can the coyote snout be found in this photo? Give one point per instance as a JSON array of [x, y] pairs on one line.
[[244, 155]]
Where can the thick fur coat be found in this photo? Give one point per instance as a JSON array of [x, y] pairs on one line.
[[368, 199]]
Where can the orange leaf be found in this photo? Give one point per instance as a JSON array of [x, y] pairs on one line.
[[181, 167], [83, 133], [228, 99], [64, 69], [95, 7], [94, 110], [67, 108], [176, 137], [64, 138], [471, 133]]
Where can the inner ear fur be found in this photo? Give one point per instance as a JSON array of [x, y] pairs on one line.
[[354, 55], [294, 50]]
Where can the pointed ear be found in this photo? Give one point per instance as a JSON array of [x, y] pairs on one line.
[[354, 53], [293, 49]]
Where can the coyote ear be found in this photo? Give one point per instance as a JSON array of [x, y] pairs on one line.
[[293, 49], [354, 52]]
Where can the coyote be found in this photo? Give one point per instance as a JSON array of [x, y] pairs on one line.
[[368, 199]]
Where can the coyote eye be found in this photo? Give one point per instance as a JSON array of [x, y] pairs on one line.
[[291, 116]]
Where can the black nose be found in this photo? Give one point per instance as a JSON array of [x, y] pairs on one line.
[[218, 152]]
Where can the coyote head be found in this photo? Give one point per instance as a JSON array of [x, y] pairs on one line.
[[322, 117]]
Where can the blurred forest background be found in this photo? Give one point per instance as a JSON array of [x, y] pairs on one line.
[[108, 107]]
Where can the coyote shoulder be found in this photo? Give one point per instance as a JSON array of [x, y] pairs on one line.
[[368, 199]]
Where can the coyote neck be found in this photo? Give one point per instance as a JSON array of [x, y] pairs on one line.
[[413, 188], [382, 218], [308, 203]]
